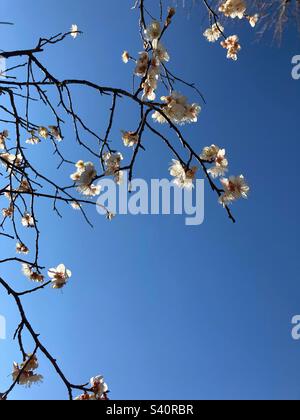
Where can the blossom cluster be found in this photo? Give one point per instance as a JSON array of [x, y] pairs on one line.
[[183, 176], [98, 391], [83, 177], [25, 374], [234, 187], [230, 9], [177, 109]]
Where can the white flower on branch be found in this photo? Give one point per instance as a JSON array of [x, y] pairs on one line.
[[130, 138], [3, 137], [233, 8], [75, 205], [43, 132], [55, 132], [28, 220], [24, 186], [84, 177], [142, 64], [74, 31], [253, 20], [221, 165], [177, 110], [214, 33], [112, 162], [8, 212], [233, 47], [184, 178], [210, 153], [9, 161], [21, 249], [31, 274], [161, 53], [235, 188], [25, 373], [125, 57], [33, 139], [153, 31], [98, 386], [60, 276]]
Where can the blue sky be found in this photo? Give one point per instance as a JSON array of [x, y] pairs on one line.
[[166, 311]]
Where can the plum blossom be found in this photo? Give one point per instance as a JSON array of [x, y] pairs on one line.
[[98, 386], [8, 212], [9, 160], [125, 57], [130, 138], [31, 274], [235, 188], [153, 31], [183, 177], [233, 8], [3, 138], [74, 31], [142, 64], [221, 165], [210, 153], [233, 47], [253, 20], [177, 109], [28, 220], [55, 132], [112, 163], [25, 374], [43, 132], [214, 33], [21, 248], [84, 177], [60, 276], [33, 139]]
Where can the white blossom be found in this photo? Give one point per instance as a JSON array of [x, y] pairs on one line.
[[233, 8], [28, 220], [60, 276], [178, 110], [214, 33], [235, 188], [74, 31], [233, 47], [183, 178], [31, 274]]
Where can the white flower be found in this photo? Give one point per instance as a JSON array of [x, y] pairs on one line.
[[25, 374], [161, 53], [33, 139], [233, 8], [9, 160], [32, 275], [84, 177], [178, 110], [60, 276], [125, 57], [75, 205], [235, 188], [210, 153], [112, 163], [142, 64], [43, 132], [233, 47], [55, 132], [28, 220], [184, 178], [8, 212], [214, 33], [21, 249], [130, 138], [74, 31], [98, 386], [253, 20], [153, 31], [3, 137], [221, 165]]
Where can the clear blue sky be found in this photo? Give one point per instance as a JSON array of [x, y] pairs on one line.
[[162, 310]]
